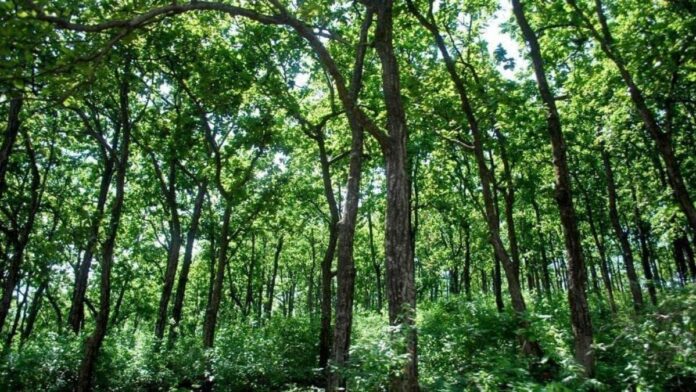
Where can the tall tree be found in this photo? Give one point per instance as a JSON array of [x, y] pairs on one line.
[[577, 298]]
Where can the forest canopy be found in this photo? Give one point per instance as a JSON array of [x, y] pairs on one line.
[[420, 195]]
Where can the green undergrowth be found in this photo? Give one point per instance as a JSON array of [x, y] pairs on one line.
[[463, 345]]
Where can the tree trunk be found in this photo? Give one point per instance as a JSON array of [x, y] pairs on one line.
[[684, 259], [606, 279], [542, 245], [249, 297], [621, 234], [400, 278], [94, 342], [643, 238], [77, 307], [325, 333], [20, 235], [497, 284], [178, 306], [467, 262], [10, 136], [271, 283], [34, 311], [345, 273], [174, 246], [376, 265], [492, 217], [580, 314], [217, 280]]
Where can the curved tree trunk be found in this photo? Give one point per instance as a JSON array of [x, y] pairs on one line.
[[579, 309], [169, 190], [94, 342], [486, 178]]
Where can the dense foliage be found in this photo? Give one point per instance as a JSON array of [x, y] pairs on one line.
[[373, 195]]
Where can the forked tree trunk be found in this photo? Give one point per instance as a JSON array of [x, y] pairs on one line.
[[345, 273], [94, 342], [169, 190], [178, 306]]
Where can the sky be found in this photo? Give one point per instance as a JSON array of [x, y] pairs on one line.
[[494, 36]]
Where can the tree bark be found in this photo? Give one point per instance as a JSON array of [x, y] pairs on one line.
[[546, 278], [400, 278], [606, 278], [643, 238], [19, 235], [376, 265], [325, 333], [580, 314], [467, 262], [34, 311]]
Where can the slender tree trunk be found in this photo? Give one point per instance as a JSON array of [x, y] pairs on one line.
[[606, 279], [249, 297], [21, 309], [178, 306], [580, 314], [174, 247], [19, 237], [542, 246], [497, 284], [684, 259], [94, 342], [621, 234], [325, 333], [345, 273], [643, 234], [77, 307], [376, 265], [492, 217], [271, 285], [217, 280], [34, 311], [467, 262], [310, 278]]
